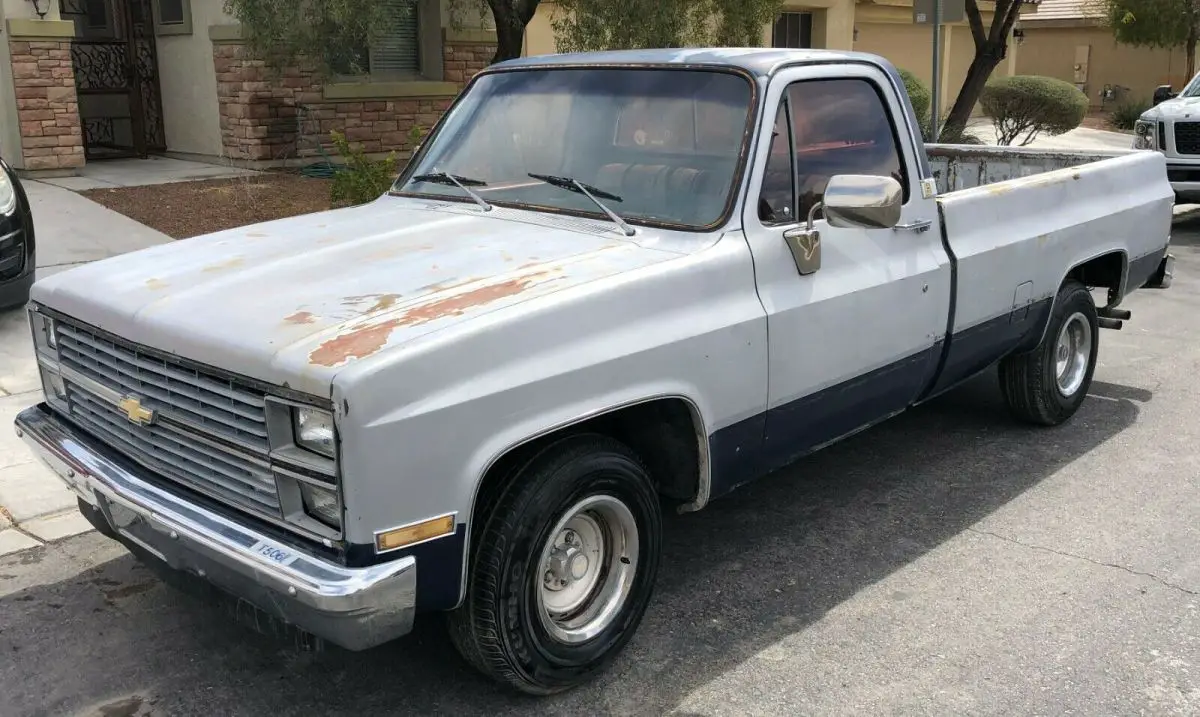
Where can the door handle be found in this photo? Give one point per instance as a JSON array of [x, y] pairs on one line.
[[918, 226]]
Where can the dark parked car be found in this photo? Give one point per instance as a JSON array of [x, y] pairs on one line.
[[16, 240]]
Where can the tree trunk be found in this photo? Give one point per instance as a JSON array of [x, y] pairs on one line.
[[977, 76], [510, 40], [1190, 49], [511, 17]]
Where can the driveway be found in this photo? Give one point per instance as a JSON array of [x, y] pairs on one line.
[[946, 562], [71, 231]]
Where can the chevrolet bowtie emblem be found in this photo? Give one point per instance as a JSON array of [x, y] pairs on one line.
[[135, 411]]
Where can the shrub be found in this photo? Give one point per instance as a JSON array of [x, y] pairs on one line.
[[360, 179], [1025, 106], [1126, 114], [918, 94]]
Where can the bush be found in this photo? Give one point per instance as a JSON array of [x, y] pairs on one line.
[[918, 94], [1126, 114], [1025, 106], [360, 179]]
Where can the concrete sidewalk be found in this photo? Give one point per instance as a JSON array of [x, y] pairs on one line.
[[113, 173], [71, 230]]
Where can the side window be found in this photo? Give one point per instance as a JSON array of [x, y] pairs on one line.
[[840, 126], [777, 200]]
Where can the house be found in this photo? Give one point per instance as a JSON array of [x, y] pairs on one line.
[[82, 80], [1067, 39]]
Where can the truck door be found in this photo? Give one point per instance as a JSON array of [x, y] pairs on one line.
[[856, 340]]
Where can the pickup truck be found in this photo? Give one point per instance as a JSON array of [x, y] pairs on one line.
[[607, 285], [1172, 127]]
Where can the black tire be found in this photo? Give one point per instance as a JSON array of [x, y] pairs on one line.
[[499, 628], [1029, 380]]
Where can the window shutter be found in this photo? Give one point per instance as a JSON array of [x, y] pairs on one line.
[[399, 51]]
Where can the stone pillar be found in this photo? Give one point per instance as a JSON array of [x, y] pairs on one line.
[[44, 88]]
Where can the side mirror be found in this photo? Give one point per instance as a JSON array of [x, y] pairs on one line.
[[863, 201], [851, 201], [1162, 93]]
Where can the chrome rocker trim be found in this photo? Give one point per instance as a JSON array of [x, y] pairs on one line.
[[355, 608]]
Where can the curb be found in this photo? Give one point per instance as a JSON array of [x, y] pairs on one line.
[[1192, 212]]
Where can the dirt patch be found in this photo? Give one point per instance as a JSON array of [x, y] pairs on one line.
[[186, 209], [1101, 120]]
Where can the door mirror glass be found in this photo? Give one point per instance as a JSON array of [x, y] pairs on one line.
[[862, 201]]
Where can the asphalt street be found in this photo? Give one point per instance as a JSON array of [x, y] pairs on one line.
[[947, 562]]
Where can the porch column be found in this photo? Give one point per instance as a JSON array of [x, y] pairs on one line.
[[44, 110]]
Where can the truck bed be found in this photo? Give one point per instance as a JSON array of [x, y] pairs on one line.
[[1016, 220], [964, 166]]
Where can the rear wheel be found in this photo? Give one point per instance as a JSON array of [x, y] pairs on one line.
[[1047, 385], [564, 568]]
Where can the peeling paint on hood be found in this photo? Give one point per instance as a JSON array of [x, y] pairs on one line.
[[293, 301]]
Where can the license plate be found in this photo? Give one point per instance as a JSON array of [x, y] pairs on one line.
[[274, 553]]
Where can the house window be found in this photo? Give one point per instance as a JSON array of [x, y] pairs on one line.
[[793, 29], [410, 51], [97, 14], [172, 17]]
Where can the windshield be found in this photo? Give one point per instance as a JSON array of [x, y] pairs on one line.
[[1192, 89], [666, 142]]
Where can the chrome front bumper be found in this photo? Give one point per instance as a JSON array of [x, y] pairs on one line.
[[356, 608]]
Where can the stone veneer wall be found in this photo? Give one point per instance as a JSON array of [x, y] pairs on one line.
[[47, 107], [259, 113]]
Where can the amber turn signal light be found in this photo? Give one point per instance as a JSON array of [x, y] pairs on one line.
[[409, 534]]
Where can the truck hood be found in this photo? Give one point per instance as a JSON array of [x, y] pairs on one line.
[[293, 301], [1178, 108]]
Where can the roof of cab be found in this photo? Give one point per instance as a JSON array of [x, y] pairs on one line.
[[758, 61]]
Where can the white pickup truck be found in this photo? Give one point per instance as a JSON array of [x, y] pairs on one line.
[[607, 285], [1173, 128]]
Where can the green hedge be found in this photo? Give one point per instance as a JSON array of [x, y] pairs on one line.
[[918, 94], [1024, 106]]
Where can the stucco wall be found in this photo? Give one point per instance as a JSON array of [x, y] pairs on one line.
[[1051, 52], [191, 117]]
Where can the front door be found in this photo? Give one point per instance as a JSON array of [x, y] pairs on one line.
[[116, 77], [858, 339]]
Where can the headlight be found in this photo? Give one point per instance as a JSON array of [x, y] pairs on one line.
[[1145, 136], [8, 194], [322, 504], [314, 430]]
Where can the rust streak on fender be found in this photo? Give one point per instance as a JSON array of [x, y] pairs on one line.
[[156, 284]]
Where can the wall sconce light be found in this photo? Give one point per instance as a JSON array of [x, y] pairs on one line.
[[1019, 35], [37, 7], [856, 34]]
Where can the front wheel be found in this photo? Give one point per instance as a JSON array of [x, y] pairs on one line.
[[1047, 385], [564, 568]]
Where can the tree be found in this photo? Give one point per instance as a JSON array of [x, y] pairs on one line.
[[331, 35], [990, 47], [583, 25], [1168, 24]]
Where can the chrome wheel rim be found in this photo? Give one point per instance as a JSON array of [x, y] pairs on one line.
[[586, 569], [1072, 353]]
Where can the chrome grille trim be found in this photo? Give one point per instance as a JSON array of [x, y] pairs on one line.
[[209, 432]]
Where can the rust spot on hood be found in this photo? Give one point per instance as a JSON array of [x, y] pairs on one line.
[[359, 343], [222, 266], [383, 302], [156, 284], [365, 340], [301, 317], [257, 235]]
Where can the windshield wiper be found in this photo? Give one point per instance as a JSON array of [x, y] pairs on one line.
[[587, 190], [463, 183]]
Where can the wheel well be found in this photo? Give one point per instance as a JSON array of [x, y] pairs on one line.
[[1107, 270], [665, 433]]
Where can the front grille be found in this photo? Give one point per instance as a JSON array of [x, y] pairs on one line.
[[1187, 137], [12, 254], [210, 434]]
